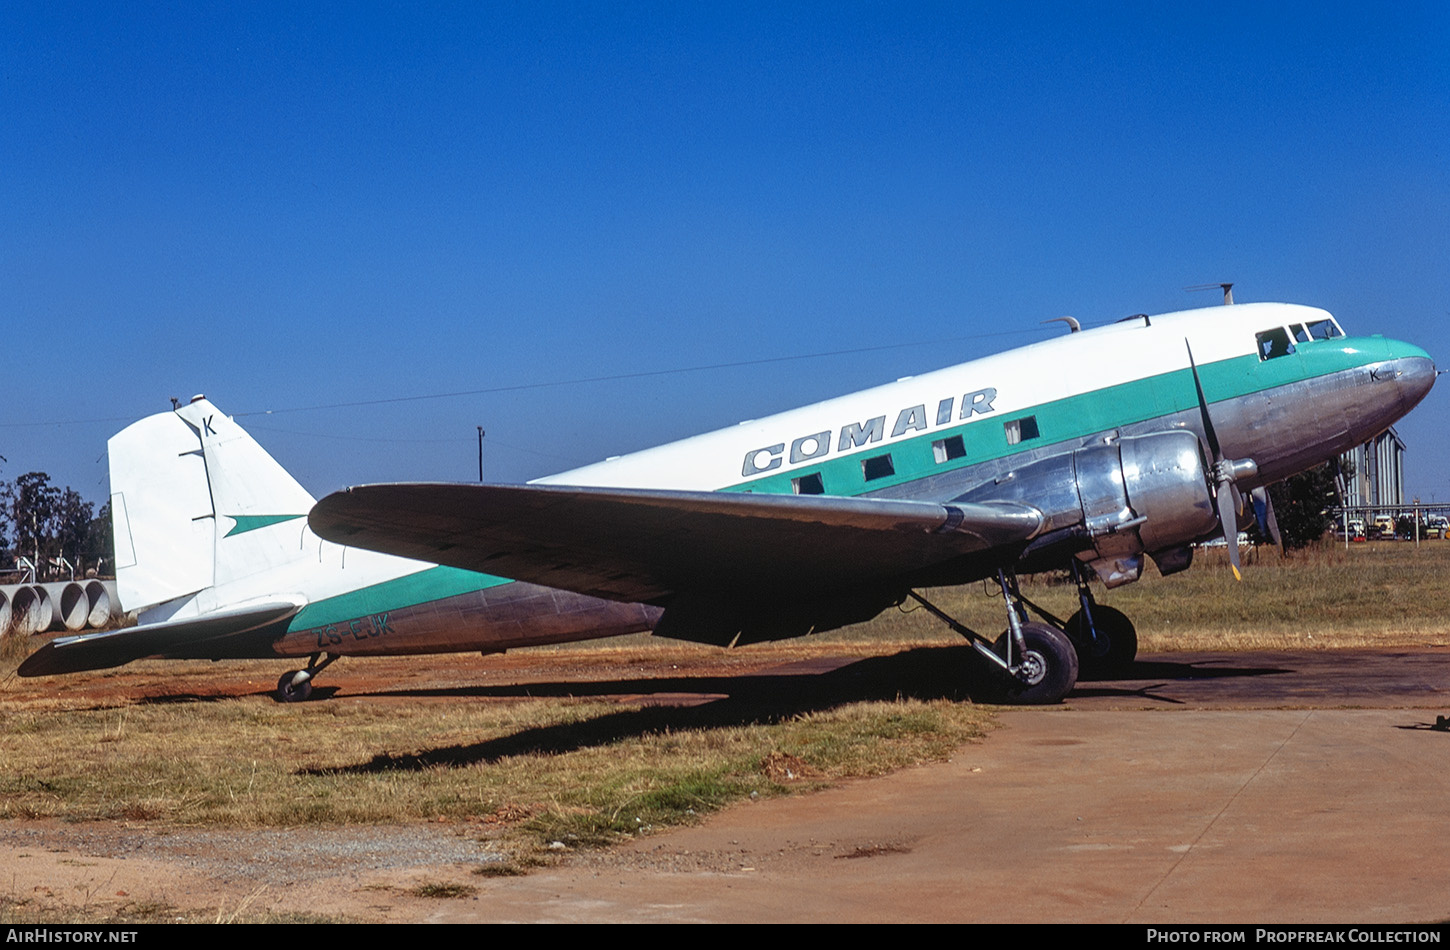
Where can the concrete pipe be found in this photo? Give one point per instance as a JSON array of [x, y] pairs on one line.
[[71, 606], [100, 602], [4, 613], [30, 610]]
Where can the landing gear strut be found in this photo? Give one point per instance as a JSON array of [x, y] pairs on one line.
[[1104, 638], [295, 686], [1106, 644], [1039, 661]]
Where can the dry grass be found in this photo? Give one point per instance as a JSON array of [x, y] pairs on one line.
[[78, 909], [1377, 594], [444, 890], [527, 772], [532, 777]]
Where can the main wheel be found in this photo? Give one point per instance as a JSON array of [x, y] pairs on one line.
[[289, 693], [1046, 672], [1115, 646]]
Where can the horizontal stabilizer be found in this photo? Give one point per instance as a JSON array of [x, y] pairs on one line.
[[645, 545], [239, 632]]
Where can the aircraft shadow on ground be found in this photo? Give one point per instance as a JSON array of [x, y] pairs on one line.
[[222, 695], [953, 673], [1161, 674], [923, 673]]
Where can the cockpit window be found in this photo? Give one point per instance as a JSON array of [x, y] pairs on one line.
[[1301, 335], [1324, 329], [1274, 343]]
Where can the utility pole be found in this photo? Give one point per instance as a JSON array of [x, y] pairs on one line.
[[480, 453]]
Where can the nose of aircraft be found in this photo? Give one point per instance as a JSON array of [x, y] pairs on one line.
[[1396, 378], [1414, 374]]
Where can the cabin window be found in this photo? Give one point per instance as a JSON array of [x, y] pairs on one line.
[[1020, 430], [1274, 343], [877, 467], [1324, 329], [945, 450], [808, 484]]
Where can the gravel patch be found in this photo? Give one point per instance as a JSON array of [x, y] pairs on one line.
[[273, 855]]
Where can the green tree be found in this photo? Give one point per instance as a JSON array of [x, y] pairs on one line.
[[72, 525], [4, 515], [99, 545], [43, 522], [1302, 503], [33, 504]]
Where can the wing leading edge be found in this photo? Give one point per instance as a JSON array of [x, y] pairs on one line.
[[654, 546]]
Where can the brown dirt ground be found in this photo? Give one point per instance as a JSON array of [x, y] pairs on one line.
[[369, 874], [364, 874]]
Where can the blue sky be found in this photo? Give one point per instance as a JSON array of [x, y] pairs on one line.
[[289, 206]]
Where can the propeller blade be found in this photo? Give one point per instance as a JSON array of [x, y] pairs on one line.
[[1264, 515], [1208, 431], [1230, 501], [1228, 517]]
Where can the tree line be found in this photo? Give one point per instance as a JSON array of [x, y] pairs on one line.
[[51, 527]]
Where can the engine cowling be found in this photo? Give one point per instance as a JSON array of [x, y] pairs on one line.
[[1110, 504]]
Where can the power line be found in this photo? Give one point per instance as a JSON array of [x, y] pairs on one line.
[[624, 376], [520, 387]]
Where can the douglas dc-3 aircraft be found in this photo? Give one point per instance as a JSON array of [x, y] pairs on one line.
[[1084, 452]]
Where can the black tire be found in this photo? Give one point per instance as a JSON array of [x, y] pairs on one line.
[[1115, 648], [287, 693], [1048, 668]]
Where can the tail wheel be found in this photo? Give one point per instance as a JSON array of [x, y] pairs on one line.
[[1046, 672], [1112, 650], [290, 692]]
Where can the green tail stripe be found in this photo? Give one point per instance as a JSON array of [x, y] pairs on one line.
[[245, 523]]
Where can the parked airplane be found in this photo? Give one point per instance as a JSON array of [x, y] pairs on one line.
[[1083, 452]]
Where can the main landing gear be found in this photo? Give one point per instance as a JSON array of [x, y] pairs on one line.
[[1042, 661], [1105, 639], [295, 686], [1039, 662]]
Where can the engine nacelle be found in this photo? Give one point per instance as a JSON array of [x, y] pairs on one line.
[[1109, 504]]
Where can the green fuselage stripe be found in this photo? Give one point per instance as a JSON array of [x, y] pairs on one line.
[[1074, 417], [434, 583]]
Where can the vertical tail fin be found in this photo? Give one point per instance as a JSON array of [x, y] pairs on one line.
[[196, 502]]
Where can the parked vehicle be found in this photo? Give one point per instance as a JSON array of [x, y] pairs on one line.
[[1354, 531]]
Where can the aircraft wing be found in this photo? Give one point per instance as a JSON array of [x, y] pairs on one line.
[[652, 546], [244, 631]]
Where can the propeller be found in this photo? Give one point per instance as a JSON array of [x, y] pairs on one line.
[[1264, 515], [1225, 473]]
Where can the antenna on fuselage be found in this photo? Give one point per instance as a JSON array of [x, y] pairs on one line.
[[1072, 325], [1228, 291]]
